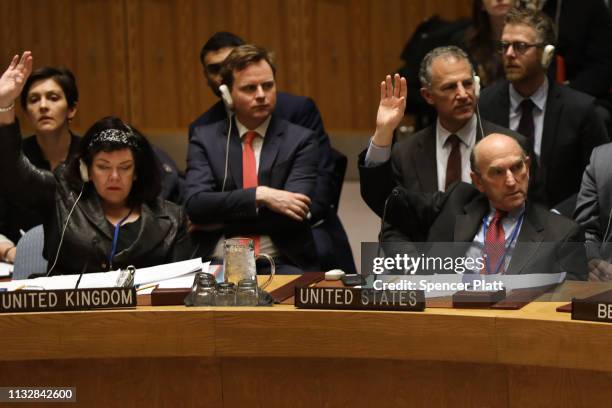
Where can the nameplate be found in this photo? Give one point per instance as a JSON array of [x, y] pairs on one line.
[[597, 308], [360, 299], [476, 299], [66, 299]]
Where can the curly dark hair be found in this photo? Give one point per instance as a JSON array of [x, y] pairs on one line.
[[147, 187]]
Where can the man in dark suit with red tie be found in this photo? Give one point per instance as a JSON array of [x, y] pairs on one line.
[[438, 155], [263, 184], [491, 216], [330, 238]]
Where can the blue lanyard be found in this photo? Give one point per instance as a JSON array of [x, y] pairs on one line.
[[115, 239], [506, 245]]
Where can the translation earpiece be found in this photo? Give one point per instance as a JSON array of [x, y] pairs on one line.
[[547, 55], [84, 171], [476, 86], [226, 97]]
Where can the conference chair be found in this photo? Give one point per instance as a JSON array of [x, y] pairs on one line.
[[29, 259]]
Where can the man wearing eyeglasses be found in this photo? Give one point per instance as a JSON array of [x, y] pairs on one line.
[[560, 123]]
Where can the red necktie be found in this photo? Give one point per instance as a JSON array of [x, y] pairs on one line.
[[453, 165], [495, 243], [249, 172]]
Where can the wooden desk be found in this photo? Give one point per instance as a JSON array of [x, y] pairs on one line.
[[280, 357]]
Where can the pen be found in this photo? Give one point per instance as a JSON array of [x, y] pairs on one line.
[[19, 287], [147, 286]]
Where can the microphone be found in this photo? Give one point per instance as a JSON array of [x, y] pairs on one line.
[[94, 241], [59, 246], [394, 193]]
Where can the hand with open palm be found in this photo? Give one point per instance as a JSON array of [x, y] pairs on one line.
[[13, 79], [391, 108]]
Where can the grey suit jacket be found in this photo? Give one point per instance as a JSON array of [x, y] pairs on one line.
[[547, 242], [412, 165], [571, 130], [594, 203]]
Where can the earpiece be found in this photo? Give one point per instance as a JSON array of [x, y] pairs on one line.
[[547, 55], [226, 97], [84, 171], [477, 96], [476, 86]]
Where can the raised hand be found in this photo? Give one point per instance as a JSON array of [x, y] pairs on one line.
[[13, 79], [391, 108], [599, 270]]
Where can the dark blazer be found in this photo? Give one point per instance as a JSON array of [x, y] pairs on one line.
[[88, 238], [15, 215], [288, 161], [571, 130], [584, 36], [594, 203], [412, 165], [331, 239], [173, 180], [547, 242], [301, 111]]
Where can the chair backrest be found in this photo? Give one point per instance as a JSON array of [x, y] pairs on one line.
[[29, 257], [340, 163]]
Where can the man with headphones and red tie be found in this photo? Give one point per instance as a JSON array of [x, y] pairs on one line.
[[561, 123], [255, 174], [491, 218]]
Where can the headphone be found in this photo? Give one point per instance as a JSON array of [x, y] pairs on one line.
[[84, 171], [547, 55], [226, 97], [477, 96]]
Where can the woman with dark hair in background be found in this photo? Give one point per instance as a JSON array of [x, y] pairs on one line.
[[102, 211], [480, 39], [49, 100]]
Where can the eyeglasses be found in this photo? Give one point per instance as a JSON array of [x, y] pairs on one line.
[[213, 69], [518, 46]]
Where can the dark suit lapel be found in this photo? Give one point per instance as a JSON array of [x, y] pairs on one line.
[[467, 224], [235, 155], [153, 230], [528, 241], [426, 168], [554, 110], [502, 111], [92, 210], [269, 150]]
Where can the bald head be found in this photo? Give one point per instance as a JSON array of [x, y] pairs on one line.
[[494, 145], [500, 170]]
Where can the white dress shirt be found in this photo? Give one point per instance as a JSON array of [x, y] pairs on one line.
[[539, 100], [510, 223], [467, 134], [266, 245]]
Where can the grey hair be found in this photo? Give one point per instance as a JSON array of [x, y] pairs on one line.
[[449, 51]]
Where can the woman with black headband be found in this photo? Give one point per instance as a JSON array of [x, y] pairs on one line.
[[105, 211]]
